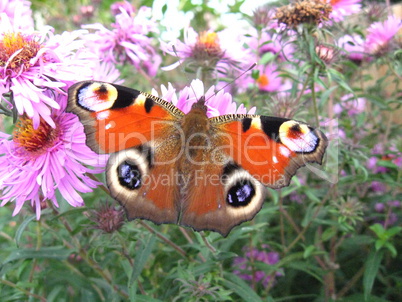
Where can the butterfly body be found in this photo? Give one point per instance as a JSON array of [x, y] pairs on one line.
[[189, 169]]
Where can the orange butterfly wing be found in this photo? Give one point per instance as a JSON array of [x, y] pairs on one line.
[[249, 151], [117, 118], [140, 131], [271, 149], [187, 169]]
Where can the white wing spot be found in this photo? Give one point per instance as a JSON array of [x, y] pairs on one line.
[[284, 151], [102, 116]]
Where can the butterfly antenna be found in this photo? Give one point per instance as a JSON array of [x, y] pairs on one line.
[[182, 69], [235, 79]]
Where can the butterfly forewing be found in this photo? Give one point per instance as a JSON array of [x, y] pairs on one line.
[[117, 118], [271, 149]]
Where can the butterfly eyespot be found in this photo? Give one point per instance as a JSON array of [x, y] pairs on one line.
[[240, 187], [129, 170], [298, 137], [97, 96], [129, 175], [241, 193]]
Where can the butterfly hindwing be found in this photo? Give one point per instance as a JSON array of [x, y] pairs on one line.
[[220, 197], [143, 187]]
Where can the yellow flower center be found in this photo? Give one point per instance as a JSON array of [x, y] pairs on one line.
[[16, 51], [209, 39], [263, 80], [207, 46], [34, 141]]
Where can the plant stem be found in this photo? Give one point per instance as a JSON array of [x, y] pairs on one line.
[[6, 282], [304, 230], [160, 236], [313, 96], [102, 272]]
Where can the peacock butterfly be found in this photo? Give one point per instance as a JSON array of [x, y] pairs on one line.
[[188, 169]]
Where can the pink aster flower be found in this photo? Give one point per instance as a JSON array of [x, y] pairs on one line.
[[351, 104], [219, 103], [269, 79], [35, 163], [210, 51], [120, 6], [32, 65], [128, 41], [265, 42], [106, 72], [381, 34], [353, 46], [343, 8], [19, 13]]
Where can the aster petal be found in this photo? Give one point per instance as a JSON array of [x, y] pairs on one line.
[[171, 66], [70, 195], [18, 206]]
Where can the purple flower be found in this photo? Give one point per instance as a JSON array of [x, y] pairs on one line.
[[297, 198], [394, 203], [106, 72], [343, 8], [221, 51], [217, 103], [381, 34], [388, 217], [107, 217], [19, 13], [127, 42], [351, 104], [37, 162], [269, 79], [392, 155], [270, 43], [32, 65], [379, 207], [378, 187], [120, 6], [243, 265], [353, 46]]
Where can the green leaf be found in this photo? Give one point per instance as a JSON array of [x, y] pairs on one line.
[[360, 298], [393, 231], [372, 265], [164, 9], [328, 234], [266, 58], [240, 287], [378, 229], [143, 253], [142, 298], [391, 248], [308, 268], [55, 252], [308, 251], [22, 227]]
